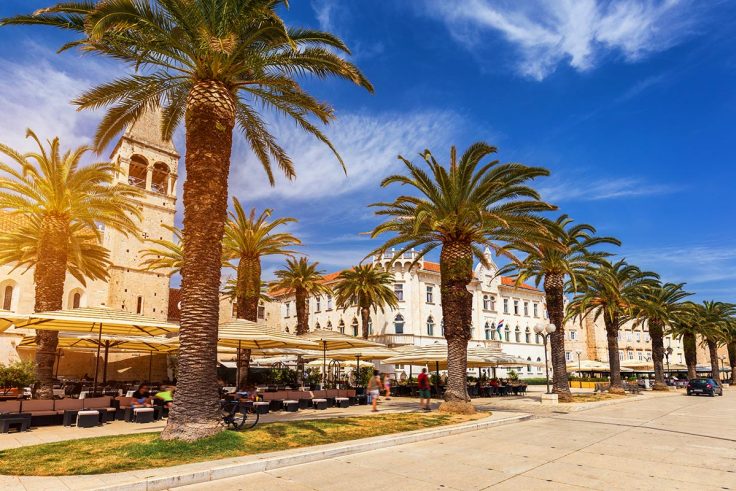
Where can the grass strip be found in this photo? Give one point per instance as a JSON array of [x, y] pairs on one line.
[[144, 451]]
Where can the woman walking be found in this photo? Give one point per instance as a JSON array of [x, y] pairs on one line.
[[374, 389]]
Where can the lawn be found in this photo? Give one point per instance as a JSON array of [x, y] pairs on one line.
[[593, 397], [143, 451]]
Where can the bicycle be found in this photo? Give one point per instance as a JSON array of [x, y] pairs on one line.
[[235, 415]]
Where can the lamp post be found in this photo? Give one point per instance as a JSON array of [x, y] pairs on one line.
[[667, 354], [545, 330], [723, 363]]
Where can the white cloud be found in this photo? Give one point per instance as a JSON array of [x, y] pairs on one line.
[[369, 145], [557, 190], [696, 264], [577, 32]]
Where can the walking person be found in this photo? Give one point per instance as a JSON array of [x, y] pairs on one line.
[[374, 389], [387, 386], [423, 386]]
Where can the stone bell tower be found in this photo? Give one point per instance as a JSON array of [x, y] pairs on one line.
[[149, 163]]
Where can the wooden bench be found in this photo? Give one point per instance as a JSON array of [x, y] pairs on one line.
[[601, 387]]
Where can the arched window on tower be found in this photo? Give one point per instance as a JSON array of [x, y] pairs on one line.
[[137, 171], [8, 298], [160, 178], [494, 332], [399, 324], [486, 302], [139, 305], [76, 300], [355, 327]]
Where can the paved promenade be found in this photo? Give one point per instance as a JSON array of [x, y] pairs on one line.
[[654, 443]]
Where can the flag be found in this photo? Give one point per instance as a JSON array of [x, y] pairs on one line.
[[500, 324]]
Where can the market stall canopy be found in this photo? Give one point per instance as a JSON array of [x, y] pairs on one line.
[[343, 363], [70, 340], [592, 366], [244, 334], [365, 353], [333, 340], [91, 320]]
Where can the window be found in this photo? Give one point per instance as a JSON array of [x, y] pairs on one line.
[[507, 334], [537, 339], [528, 336], [399, 324], [399, 291], [568, 356], [539, 368], [486, 302], [139, 305], [526, 309], [631, 355], [370, 326], [620, 356], [638, 336], [488, 331], [573, 335], [341, 327], [493, 302], [329, 302], [442, 327], [505, 305], [287, 305], [235, 310], [430, 295], [160, 178], [261, 312], [137, 171], [628, 336], [535, 310], [76, 300], [316, 326], [355, 327], [641, 355], [329, 325], [317, 302], [430, 326], [516, 307], [517, 334], [528, 367], [8, 298]]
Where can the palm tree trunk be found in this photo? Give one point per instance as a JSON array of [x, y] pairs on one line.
[[365, 318], [612, 326], [248, 297], [732, 361], [302, 313], [656, 332], [49, 277], [210, 119], [691, 354], [456, 270], [713, 352], [553, 290]]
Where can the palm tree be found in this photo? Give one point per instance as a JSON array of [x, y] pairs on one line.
[[685, 327], [460, 209], [63, 205], [613, 290], [247, 239], [368, 287], [166, 255], [731, 346], [661, 307], [303, 279], [565, 260], [212, 64], [715, 320]]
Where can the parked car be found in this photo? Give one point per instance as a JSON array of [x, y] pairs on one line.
[[707, 386]]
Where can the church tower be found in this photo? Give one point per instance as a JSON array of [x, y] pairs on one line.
[[149, 163]]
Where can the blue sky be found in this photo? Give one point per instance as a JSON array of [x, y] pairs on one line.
[[630, 104]]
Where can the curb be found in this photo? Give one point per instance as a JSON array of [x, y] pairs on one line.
[[595, 405], [184, 478]]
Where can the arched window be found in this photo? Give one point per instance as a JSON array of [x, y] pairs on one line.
[[160, 178], [494, 333], [517, 334], [76, 299], [507, 334], [8, 298], [137, 171], [539, 368], [528, 367], [486, 302], [355, 327], [430, 326], [528, 335], [316, 326], [399, 324], [139, 305], [488, 330], [341, 326], [536, 338], [329, 325], [329, 302]]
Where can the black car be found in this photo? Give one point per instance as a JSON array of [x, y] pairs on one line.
[[706, 386]]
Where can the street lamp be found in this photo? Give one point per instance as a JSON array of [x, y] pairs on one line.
[[580, 371], [667, 354], [545, 330], [723, 363]]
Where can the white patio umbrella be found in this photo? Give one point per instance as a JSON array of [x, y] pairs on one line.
[[333, 340]]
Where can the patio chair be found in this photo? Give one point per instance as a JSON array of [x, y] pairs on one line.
[[88, 419]]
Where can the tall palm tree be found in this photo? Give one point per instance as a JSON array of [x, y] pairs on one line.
[[731, 347], [248, 238], [715, 320], [63, 204], [685, 327], [564, 260], [612, 290], [303, 279], [212, 64], [369, 287], [661, 307], [460, 208]]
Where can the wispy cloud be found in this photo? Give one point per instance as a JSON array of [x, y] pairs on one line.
[[558, 190], [576, 32], [333, 16], [368, 143]]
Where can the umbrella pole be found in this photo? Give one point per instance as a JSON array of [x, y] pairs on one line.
[[237, 367], [97, 360], [437, 383], [104, 370], [58, 362], [357, 369], [324, 364], [150, 365]]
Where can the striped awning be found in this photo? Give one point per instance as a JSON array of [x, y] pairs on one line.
[[244, 334], [141, 344], [91, 320], [333, 340]]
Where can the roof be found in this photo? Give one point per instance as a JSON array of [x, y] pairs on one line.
[[147, 129], [508, 281]]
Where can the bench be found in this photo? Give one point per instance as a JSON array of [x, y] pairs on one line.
[[21, 421], [632, 388]]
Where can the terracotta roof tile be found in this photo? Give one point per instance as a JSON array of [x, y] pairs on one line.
[[506, 281]]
